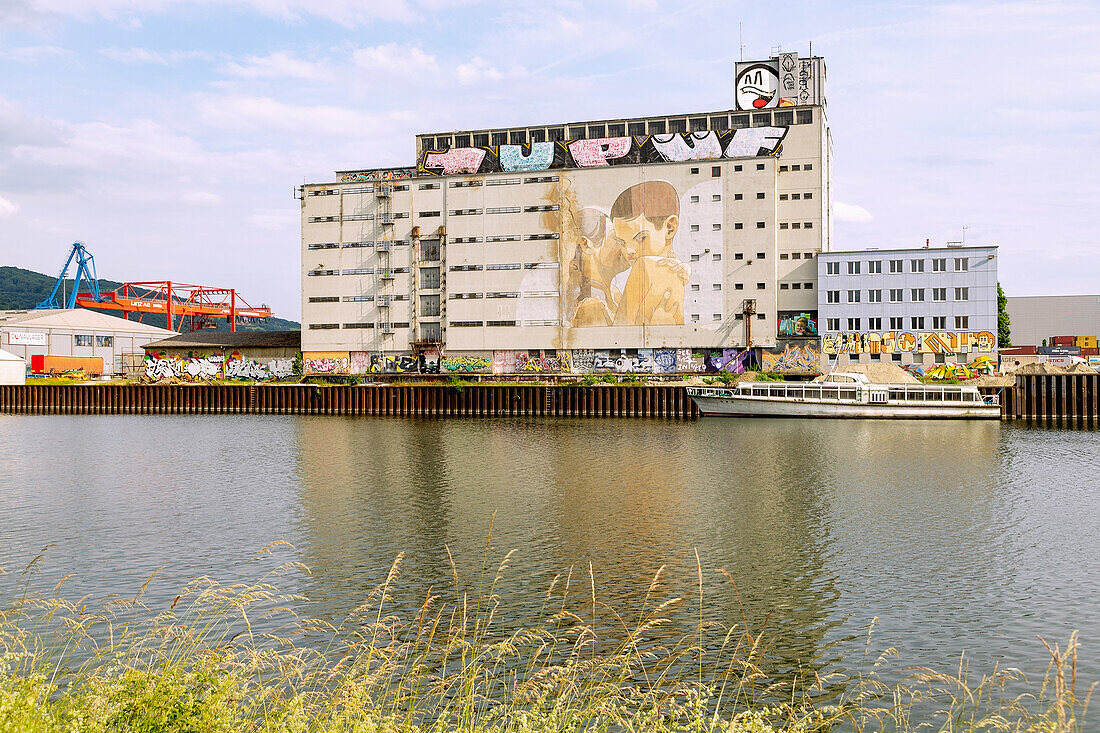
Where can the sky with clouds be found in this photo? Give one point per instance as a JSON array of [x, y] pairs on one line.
[[169, 134]]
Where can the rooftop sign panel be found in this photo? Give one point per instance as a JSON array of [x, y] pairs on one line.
[[784, 81]]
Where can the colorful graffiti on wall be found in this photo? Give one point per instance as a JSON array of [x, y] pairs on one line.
[[466, 364], [793, 359], [982, 366], [797, 324], [890, 342], [201, 367], [748, 142], [389, 174]]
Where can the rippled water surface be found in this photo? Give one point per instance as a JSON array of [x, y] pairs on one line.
[[955, 536]]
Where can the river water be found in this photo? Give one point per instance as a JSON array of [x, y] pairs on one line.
[[955, 536]]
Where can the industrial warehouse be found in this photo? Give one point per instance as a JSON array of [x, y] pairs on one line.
[[660, 244]]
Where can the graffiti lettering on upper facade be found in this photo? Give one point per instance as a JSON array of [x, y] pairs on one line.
[[396, 174], [747, 142], [798, 324], [889, 342], [467, 364], [798, 359], [696, 146]]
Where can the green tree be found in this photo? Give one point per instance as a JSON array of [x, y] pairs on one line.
[[1004, 327]]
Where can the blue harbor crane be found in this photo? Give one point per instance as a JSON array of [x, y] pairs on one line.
[[85, 268]]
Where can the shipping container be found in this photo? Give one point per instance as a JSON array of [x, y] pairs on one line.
[[46, 364], [1086, 342], [1059, 351], [1063, 340], [1090, 351], [1019, 351]]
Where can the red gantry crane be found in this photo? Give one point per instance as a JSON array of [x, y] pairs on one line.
[[176, 299]]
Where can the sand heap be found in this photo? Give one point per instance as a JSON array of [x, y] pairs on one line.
[[888, 373], [1045, 368]]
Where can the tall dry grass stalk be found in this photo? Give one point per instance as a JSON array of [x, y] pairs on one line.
[[238, 658]]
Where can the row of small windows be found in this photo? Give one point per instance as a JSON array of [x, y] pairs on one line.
[[897, 322], [385, 271], [364, 189], [916, 295], [384, 326], [505, 294], [795, 196], [640, 128], [796, 255], [897, 267], [356, 245], [384, 218], [760, 195], [504, 324], [353, 298], [493, 210], [796, 286], [796, 225], [506, 266]]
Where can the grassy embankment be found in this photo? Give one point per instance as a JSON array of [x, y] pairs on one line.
[[203, 665]]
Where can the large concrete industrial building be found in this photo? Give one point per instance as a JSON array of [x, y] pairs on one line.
[[670, 243]]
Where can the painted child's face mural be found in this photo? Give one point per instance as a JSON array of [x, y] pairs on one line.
[[757, 87]]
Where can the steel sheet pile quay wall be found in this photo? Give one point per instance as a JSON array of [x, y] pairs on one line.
[[638, 401], [1071, 400], [1061, 399]]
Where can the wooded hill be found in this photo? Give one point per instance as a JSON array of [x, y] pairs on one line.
[[24, 289]]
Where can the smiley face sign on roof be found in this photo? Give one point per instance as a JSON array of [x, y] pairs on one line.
[[757, 87]]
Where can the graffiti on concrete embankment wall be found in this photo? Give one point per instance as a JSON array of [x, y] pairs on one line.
[[466, 364], [795, 359], [202, 367], [805, 359]]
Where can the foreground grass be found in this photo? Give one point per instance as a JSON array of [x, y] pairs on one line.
[[203, 665]]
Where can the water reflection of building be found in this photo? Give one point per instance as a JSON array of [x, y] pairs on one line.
[[783, 506]]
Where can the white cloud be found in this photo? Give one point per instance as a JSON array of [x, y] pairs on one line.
[[348, 13], [478, 69], [396, 60], [278, 65], [7, 208], [135, 55], [851, 213]]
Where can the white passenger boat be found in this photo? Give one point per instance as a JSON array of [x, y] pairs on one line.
[[846, 395]]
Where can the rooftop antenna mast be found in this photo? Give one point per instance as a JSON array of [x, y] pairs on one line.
[[965, 227], [741, 40]]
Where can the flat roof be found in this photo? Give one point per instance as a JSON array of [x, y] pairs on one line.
[[230, 339], [906, 249]]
